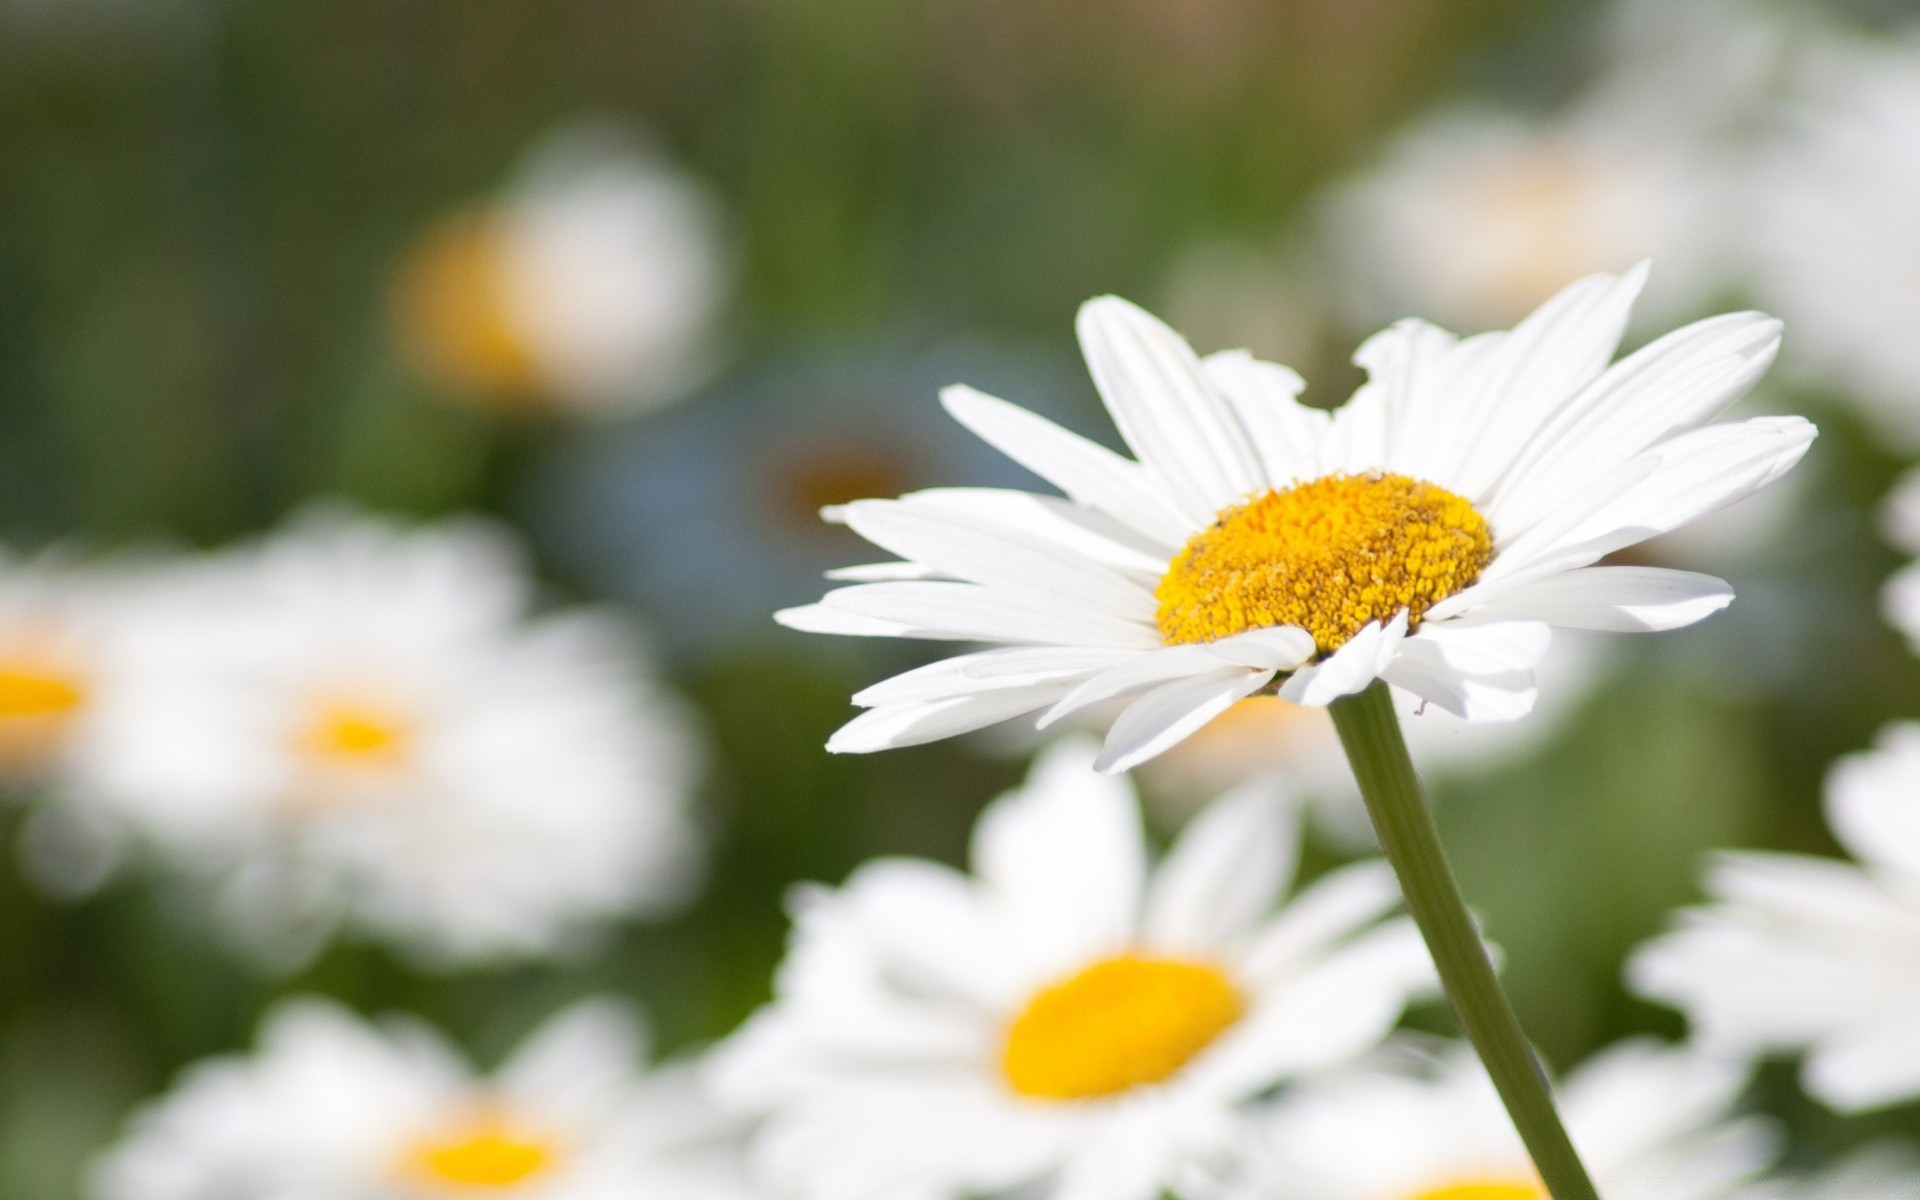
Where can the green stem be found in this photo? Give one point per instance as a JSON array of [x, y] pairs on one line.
[[1370, 732]]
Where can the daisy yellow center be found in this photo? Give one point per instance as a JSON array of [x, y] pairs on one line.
[[36, 692], [1118, 1024], [348, 734], [1484, 1189], [453, 309], [1328, 556], [485, 1152]]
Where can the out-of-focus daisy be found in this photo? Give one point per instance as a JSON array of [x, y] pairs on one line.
[[1883, 1171], [363, 722], [1428, 533], [1475, 217], [1803, 954], [1830, 240], [1065, 1018], [329, 1107], [1652, 1122], [588, 286], [708, 516], [1900, 522]]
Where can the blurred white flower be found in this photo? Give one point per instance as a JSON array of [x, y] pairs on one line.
[[1900, 524], [1474, 217], [1066, 1019], [1832, 238], [1882, 1171], [1652, 1122], [588, 286], [1801, 954], [329, 1107], [360, 722]]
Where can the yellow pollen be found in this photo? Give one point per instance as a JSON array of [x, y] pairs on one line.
[[1491, 1188], [1328, 556], [354, 735], [484, 1152], [1121, 1023]]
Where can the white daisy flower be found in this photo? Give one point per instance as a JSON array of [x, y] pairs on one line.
[[1830, 240], [1803, 954], [1474, 217], [1064, 1019], [329, 1107], [1652, 1122], [589, 286], [361, 723], [1429, 533]]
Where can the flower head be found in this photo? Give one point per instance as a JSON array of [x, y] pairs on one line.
[[330, 1106], [362, 722], [1652, 1123], [1429, 533], [1065, 1017], [587, 287], [1810, 955]]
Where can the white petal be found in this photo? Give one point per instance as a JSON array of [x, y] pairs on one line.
[[1866, 1068], [978, 551], [1614, 599], [1138, 673], [1166, 408], [1174, 711], [1421, 668], [580, 1061], [1087, 472], [1869, 800], [1281, 648], [989, 670], [818, 618], [1694, 474], [884, 572], [1285, 433], [1065, 854], [1684, 378], [891, 726], [1335, 905], [1562, 346], [1350, 668], [970, 613], [1275, 648], [1227, 871], [1075, 527]]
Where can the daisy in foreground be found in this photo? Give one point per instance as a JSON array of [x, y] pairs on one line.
[[332, 1108], [1810, 955], [1654, 1123], [1430, 532], [1064, 1019], [364, 724]]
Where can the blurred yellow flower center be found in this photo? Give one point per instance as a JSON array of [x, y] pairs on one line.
[[354, 735], [1485, 1189], [1119, 1024], [1328, 556], [485, 1152], [40, 696], [452, 304], [37, 691]]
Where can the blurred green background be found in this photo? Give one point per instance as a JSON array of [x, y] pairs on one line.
[[203, 205]]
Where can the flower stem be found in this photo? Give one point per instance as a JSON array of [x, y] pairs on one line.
[[1370, 731]]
